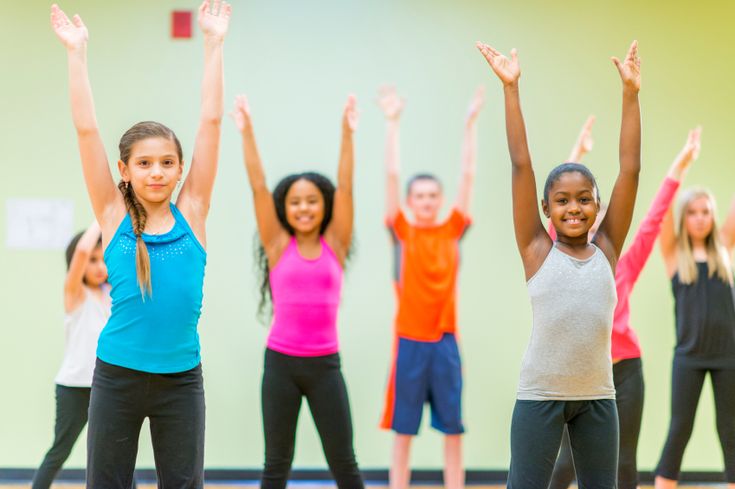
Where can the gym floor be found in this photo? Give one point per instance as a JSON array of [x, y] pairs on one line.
[[303, 485]]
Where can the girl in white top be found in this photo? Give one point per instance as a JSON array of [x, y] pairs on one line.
[[86, 310]]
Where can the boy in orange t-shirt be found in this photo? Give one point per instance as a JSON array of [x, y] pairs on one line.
[[427, 366]]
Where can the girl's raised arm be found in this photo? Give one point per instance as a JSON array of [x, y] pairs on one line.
[[272, 235], [616, 223], [107, 202], [584, 142], [74, 281], [667, 238], [339, 232], [469, 152], [532, 239], [392, 106], [196, 192]]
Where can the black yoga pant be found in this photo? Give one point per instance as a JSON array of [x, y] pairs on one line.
[[72, 404], [629, 389], [686, 387], [174, 404], [286, 379], [536, 433]]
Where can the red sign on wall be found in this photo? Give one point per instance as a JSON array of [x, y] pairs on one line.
[[181, 24]]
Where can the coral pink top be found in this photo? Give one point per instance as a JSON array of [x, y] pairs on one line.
[[306, 296], [624, 340]]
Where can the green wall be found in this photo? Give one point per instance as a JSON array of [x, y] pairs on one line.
[[297, 61]]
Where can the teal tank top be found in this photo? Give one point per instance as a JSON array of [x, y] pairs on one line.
[[158, 333]]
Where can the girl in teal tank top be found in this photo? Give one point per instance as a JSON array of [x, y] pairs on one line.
[[148, 363]]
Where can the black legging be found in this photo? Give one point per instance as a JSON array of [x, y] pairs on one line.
[[286, 379], [686, 387], [629, 388], [120, 401], [535, 436], [72, 404]]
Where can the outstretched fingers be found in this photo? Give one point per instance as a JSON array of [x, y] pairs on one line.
[[618, 64], [243, 104], [633, 54], [241, 112], [203, 8], [216, 8], [77, 21], [695, 139], [587, 128], [630, 67], [507, 69], [58, 17], [350, 116], [488, 52]]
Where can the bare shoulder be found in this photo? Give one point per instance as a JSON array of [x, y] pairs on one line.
[[534, 255], [274, 251], [111, 218], [340, 249], [603, 242]]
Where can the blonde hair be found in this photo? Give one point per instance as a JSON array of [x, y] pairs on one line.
[[138, 215], [718, 261]]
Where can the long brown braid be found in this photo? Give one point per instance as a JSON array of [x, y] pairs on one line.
[[138, 218], [138, 215]]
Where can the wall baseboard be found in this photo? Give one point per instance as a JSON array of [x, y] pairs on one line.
[[475, 477]]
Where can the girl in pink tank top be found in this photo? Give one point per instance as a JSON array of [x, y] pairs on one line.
[[306, 295], [305, 232]]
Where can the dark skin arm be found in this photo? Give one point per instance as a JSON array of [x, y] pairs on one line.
[[272, 235], [614, 227], [532, 239]]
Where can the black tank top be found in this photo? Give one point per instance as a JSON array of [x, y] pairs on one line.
[[705, 321]]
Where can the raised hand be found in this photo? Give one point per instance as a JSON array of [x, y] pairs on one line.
[[478, 100], [508, 70], [688, 154], [73, 33], [214, 18], [350, 115], [390, 103], [241, 113], [584, 142], [630, 68]]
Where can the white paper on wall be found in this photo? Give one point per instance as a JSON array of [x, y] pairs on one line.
[[39, 224]]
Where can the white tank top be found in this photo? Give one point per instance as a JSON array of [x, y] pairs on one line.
[[83, 326]]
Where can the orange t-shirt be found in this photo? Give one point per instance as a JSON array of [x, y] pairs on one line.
[[426, 265]]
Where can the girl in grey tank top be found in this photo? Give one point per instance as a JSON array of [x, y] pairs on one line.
[[566, 375], [568, 356]]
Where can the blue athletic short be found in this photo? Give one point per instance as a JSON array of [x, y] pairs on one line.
[[427, 372]]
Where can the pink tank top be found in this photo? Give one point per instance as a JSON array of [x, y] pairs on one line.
[[306, 296]]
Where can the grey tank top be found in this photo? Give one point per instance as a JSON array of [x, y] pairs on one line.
[[568, 356]]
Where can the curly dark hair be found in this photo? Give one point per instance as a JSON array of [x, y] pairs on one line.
[[327, 189]]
